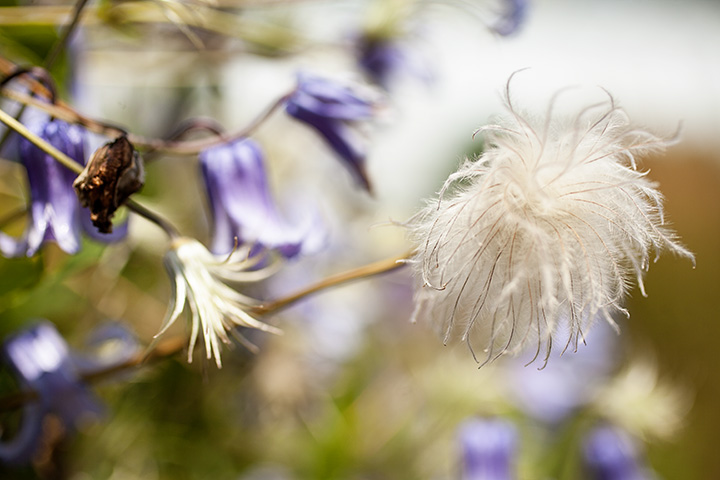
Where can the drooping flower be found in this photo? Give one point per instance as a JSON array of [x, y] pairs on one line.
[[43, 364], [242, 208], [333, 110], [199, 279], [489, 447], [55, 213], [567, 382], [547, 228], [383, 59], [611, 454], [54, 209], [108, 346], [512, 17]]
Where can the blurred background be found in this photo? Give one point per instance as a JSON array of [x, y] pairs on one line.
[[352, 390]]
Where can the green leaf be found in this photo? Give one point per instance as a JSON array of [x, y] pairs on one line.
[[19, 274]]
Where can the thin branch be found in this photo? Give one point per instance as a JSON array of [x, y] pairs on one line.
[[64, 112], [171, 346], [53, 55], [65, 35], [164, 349], [71, 164], [196, 146], [63, 159], [369, 270], [155, 218]]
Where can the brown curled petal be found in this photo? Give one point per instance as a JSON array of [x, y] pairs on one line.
[[115, 171]]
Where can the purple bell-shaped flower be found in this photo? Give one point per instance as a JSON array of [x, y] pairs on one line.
[[55, 213], [333, 110], [612, 454], [242, 207], [384, 59], [512, 17], [42, 361], [54, 208], [568, 380], [488, 446]]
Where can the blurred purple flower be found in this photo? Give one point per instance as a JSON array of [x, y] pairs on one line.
[[54, 208], [332, 109], [611, 454], [42, 361], [242, 207], [109, 345], [55, 213], [513, 15], [567, 381], [488, 447], [383, 59]]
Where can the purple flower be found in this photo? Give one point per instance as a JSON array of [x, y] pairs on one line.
[[332, 110], [55, 213], [383, 59], [512, 17], [568, 380], [488, 447], [242, 207], [109, 345], [611, 454], [42, 361], [54, 208]]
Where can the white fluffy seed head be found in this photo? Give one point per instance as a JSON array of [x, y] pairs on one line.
[[546, 230]]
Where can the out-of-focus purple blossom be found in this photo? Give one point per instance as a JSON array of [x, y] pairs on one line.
[[383, 59], [41, 359], [488, 449], [611, 454], [55, 213], [333, 110], [512, 17], [54, 208], [567, 381], [242, 207], [109, 345]]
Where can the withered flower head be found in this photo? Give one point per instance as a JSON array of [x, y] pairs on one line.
[[114, 172]]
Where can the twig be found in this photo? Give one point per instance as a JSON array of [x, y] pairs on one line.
[[166, 348], [371, 269], [65, 35], [64, 112], [63, 159], [171, 346]]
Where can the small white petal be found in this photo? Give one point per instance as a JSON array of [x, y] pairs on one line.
[[215, 308]]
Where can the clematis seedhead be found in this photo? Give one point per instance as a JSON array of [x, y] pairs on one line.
[[201, 280], [546, 231], [115, 171]]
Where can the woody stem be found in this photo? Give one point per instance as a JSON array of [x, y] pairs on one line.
[[369, 270]]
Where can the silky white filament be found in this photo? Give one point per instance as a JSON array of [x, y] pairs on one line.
[[545, 230]]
